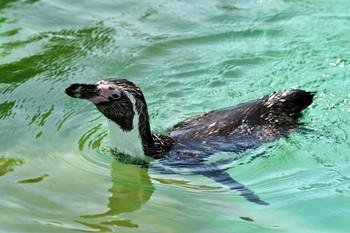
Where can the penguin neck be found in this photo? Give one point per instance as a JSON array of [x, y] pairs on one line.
[[126, 142], [139, 140]]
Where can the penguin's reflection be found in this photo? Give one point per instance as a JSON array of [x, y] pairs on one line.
[[131, 188]]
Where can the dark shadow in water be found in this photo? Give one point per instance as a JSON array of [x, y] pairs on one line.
[[198, 166], [132, 187]]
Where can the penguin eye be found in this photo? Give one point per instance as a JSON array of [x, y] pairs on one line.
[[115, 96]]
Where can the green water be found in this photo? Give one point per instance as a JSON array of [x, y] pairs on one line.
[[56, 174]]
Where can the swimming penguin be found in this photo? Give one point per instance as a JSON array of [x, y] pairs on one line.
[[231, 129]]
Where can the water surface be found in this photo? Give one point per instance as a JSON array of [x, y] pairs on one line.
[[188, 57]]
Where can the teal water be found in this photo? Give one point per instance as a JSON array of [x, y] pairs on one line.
[[56, 174]]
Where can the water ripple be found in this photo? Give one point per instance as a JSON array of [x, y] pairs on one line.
[[225, 53]]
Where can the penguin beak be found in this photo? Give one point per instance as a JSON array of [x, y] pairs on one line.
[[83, 91]]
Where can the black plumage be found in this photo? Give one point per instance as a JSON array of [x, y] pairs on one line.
[[188, 143]]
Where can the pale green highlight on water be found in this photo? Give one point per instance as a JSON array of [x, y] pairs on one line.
[[188, 57]]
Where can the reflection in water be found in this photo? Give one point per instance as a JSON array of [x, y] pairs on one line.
[[40, 119], [58, 51], [30, 84], [185, 184], [7, 3], [8, 164], [33, 180], [65, 117], [93, 137], [6, 109], [132, 187]]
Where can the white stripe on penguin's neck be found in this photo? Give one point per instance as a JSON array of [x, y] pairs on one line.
[[128, 143]]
